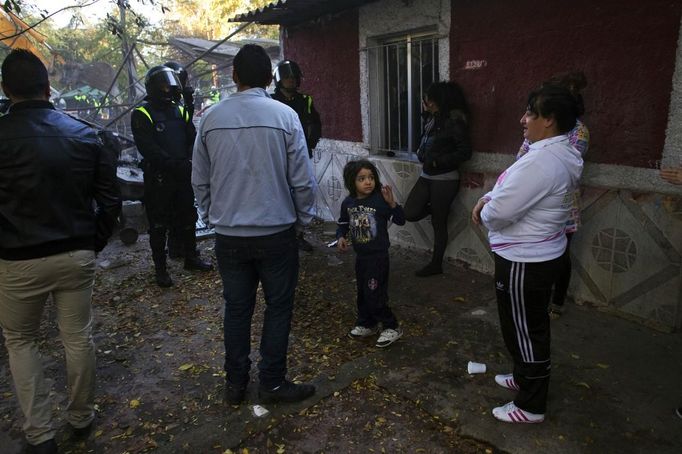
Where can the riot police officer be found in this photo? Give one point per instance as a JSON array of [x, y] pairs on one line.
[[287, 82], [185, 98], [164, 136]]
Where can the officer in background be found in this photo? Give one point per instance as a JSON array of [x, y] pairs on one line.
[[164, 136], [184, 98], [287, 82]]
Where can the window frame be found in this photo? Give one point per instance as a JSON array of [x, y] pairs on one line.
[[377, 73]]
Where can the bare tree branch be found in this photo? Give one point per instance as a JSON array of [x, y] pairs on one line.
[[46, 18]]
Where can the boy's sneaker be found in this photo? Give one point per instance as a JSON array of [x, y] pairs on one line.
[[286, 392], [513, 414], [507, 381], [360, 331], [388, 336]]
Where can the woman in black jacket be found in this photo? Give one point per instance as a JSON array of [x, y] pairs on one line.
[[444, 145]]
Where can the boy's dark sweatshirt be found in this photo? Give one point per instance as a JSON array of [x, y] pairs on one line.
[[366, 220]]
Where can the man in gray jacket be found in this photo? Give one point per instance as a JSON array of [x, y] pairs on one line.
[[254, 184]]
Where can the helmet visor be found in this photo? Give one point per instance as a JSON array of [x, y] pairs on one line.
[[284, 71], [164, 79]]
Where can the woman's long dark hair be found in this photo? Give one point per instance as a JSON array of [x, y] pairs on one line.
[[351, 170], [448, 96]]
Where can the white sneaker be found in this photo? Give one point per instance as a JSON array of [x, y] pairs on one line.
[[388, 336], [507, 381], [361, 331], [513, 414]]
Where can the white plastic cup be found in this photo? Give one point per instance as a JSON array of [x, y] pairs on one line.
[[476, 368]]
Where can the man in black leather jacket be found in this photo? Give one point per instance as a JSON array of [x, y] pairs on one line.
[[164, 136], [59, 202]]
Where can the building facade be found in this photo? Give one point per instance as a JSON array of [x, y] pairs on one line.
[[368, 64]]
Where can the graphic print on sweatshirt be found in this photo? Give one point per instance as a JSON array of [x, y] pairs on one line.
[[363, 224]]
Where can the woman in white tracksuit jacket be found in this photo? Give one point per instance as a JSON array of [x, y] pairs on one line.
[[526, 214]]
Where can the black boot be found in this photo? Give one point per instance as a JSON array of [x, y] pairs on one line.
[[192, 259], [163, 279], [197, 264], [429, 270], [157, 240], [176, 248]]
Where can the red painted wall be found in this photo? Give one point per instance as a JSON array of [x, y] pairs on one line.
[[328, 54], [625, 47]]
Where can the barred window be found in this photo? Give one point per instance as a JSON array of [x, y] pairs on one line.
[[400, 71]]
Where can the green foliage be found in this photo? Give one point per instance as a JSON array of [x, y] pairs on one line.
[[208, 19]]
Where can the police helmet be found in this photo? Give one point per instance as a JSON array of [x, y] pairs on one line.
[[179, 70], [286, 69], [162, 84]]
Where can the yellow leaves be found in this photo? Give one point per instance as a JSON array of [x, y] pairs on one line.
[[602, 366], [459, 299], [185, 367], [134, 403], [583, 384], [575, 356], [280, 449]]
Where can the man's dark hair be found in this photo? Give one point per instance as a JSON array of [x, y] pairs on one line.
[[252, 65], [24, 75]]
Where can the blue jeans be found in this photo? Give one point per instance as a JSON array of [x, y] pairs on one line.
[[243, 262]]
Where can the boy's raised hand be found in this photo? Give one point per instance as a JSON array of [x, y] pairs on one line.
[[387, 192], [342, 244]]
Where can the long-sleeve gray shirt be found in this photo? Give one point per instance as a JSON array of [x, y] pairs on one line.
[[250, 168]]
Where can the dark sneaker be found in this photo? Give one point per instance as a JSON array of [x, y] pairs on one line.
[[81, 433], [46, 447], [234, 394], [286, 392], [196, 264], [163, 279], [429, 270]]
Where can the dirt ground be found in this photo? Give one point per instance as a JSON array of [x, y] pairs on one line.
[[160, 377]]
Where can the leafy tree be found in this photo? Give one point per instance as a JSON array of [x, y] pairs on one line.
[[208, 19]]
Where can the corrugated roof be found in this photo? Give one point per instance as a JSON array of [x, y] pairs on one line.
[[291, 12]]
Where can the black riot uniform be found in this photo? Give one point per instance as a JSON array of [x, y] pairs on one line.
[[164, 136], [287, 81], [185, 98], [301, 103]]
